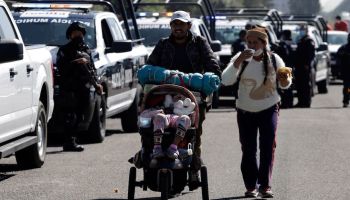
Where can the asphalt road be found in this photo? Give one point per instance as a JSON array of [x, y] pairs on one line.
[[312, 160]]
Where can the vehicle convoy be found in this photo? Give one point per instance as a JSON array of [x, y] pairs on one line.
[[26, 95], [117, 55]]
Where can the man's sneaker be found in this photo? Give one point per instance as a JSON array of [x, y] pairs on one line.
[[345, 105], [266, 193], [157, 152], [251, 193], [194, 181], [172, 153]]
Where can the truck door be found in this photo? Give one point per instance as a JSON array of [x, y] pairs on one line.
[[116, 71], [15, 88]]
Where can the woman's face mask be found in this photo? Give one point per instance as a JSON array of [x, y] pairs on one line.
[[258, 52], [302, 33]]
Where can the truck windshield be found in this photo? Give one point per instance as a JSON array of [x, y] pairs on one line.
[[227, 34], [52, 31], [153, 33]]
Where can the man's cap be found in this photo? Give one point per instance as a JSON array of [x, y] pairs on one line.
[[75, 26], [259, 33], [181, 15]]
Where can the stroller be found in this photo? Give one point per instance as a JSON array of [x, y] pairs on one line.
[[167, 176]]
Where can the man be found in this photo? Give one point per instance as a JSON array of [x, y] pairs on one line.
[[340, 25], [304, 57], [285, 51], [187, 53], [239, 44], [77, 75], [343, 60]]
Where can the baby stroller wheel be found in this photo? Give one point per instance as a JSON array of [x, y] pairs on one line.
[[164, 185], [132, 183], [204, 183]]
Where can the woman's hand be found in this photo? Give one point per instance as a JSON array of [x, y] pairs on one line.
[[246, 54]]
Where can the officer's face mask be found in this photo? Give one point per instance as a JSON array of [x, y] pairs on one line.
[[78, 40]]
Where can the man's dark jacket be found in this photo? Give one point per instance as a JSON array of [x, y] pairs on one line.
[[305, 53], [343, 60], [198, 51]]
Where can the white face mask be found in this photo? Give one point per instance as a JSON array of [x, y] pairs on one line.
[[258, 52]]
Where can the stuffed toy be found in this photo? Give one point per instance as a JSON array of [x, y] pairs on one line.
[[168, 102], [184, 107], [286, 71]]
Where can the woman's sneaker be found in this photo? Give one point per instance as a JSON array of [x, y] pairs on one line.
[[251, 193], [266, 193]]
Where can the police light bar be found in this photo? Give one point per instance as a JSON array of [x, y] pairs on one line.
[[154, 14], [52, 6]]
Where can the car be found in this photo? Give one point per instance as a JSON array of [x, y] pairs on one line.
[[26, 95], [116, 54], [335, 40]]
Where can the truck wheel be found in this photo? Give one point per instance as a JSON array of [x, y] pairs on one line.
[[34, 155], [322, 87], [129, 117], [97, 129]]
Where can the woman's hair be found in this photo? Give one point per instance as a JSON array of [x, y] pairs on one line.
[[265, 60]]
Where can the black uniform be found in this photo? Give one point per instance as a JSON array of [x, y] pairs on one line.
[[75, 82], [343, 59], [304, 56]]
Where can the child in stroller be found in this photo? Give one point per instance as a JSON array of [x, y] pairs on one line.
[[167, 125]]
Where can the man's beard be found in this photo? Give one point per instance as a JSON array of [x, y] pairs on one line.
[[180, 37]]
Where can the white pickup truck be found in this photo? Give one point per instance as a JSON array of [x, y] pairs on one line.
[[26, 95]]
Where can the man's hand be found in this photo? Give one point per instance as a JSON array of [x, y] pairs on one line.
[[99, 89]]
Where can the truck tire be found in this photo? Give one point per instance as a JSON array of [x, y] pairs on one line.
[[97, 128], [34, 155], [129, 117]]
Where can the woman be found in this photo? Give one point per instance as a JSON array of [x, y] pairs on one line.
[[257, 108]]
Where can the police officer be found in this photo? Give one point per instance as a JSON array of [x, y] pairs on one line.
[[77, 75], [304, 57], [343, 60], [239, 44]]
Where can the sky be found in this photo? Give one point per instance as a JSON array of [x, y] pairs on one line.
[[329, 5]]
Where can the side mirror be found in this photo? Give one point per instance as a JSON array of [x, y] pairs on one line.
[[215, 45], [120, 46], [10, 50], [323, 47]]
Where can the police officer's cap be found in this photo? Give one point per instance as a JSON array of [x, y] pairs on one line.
[[75, 26]]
